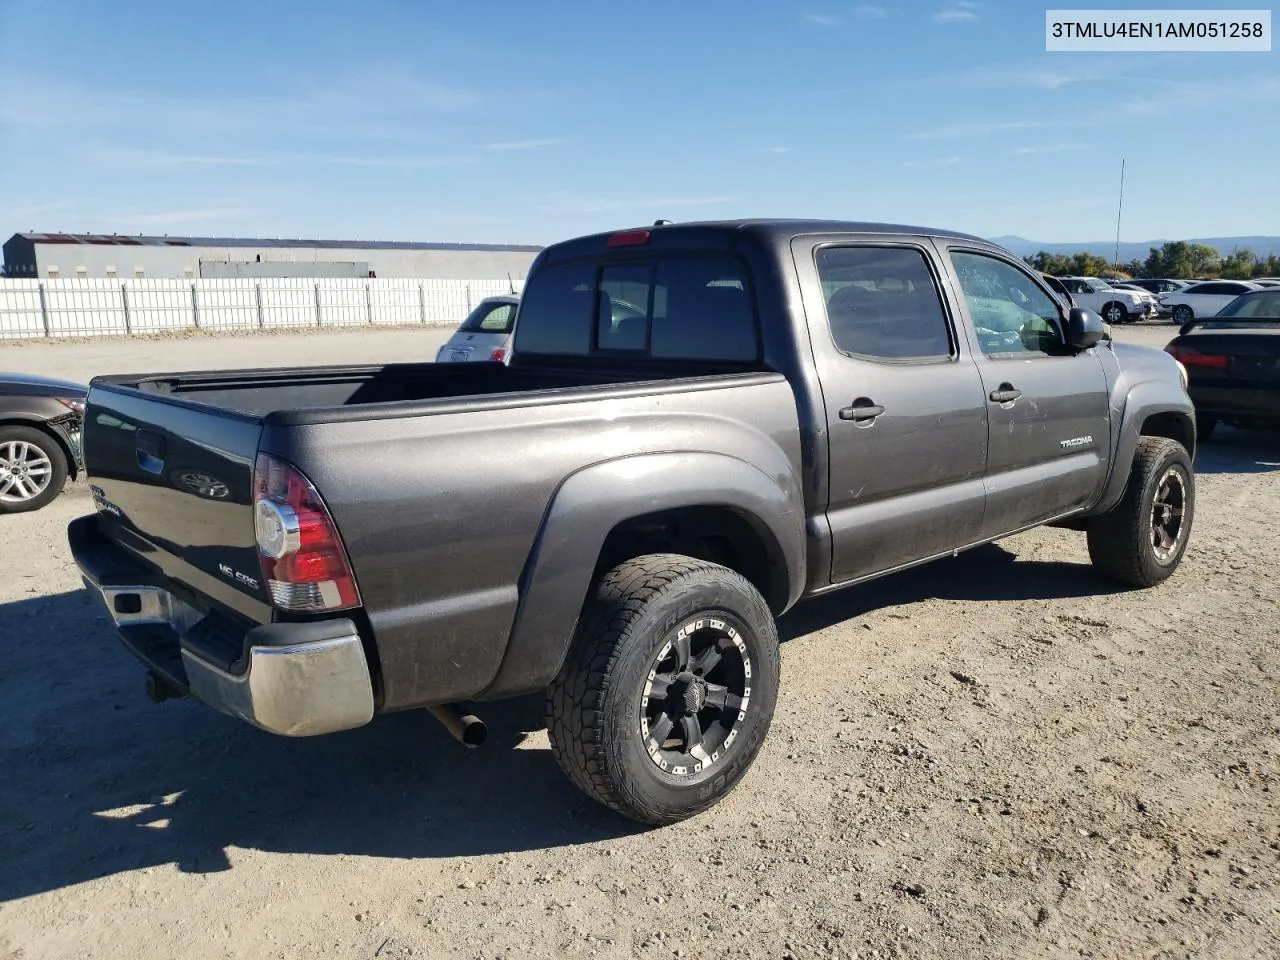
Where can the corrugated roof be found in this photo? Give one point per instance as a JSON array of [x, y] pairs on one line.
[[108, 239]]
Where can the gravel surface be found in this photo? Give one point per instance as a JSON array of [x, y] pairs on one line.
[[1000, 755]]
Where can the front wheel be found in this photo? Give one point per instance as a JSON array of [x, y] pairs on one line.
[[668, 690], [1142, 540], [33, 469], [1183, 314], [1115, 312]]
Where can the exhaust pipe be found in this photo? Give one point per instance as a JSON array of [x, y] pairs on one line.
[[468, 729], [159, 689]]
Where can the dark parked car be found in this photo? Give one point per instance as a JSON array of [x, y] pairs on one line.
[[39, 439], [617, 515], [1233, 362]]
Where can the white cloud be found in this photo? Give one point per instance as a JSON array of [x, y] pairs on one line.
[[822, 20], [563, 204], [775, 151], [178, 217], [977, 129], [1177, 96], [957, 11], [1033, 150], [870, 11], [130, 157], [376, 161], [938, 162], [523, 144]]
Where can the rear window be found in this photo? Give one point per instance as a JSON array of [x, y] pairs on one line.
[[672, 308], [490, 318]]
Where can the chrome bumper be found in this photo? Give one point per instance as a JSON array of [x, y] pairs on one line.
[[319, 684]]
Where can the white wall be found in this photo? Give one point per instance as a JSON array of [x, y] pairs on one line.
[[36, 309]]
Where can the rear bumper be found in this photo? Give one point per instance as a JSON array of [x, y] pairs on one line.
[[294, 679]]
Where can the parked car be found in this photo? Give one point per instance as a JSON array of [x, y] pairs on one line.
[[1204, 299], [1158, 285], [1266, 281], [617, 515], [1113, 305], [1233, 362], [40, 426], [485, 335]]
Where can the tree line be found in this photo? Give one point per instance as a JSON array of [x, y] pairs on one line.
[[1179, 260]]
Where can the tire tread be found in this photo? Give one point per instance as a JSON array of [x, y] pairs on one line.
[[575, 699], [1116, 538]]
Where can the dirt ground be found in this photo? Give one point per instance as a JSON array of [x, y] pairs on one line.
[[1000, 755]]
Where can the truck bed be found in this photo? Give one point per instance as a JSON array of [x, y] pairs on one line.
[[259, 393]]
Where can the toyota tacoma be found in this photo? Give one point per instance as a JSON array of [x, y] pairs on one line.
[[698, 426]]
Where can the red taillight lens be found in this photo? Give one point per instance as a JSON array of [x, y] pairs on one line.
[[303, 562], [628, 238], [499, 354], [1190, 357]]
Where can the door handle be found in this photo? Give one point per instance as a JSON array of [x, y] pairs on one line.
[[150, 451], [861, 409], [1007, 393]]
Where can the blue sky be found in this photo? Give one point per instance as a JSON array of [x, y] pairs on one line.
[[512, 121]]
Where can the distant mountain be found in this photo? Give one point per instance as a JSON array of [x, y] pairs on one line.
[[1263, 246]]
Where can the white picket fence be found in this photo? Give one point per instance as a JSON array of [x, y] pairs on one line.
[[32, 309]]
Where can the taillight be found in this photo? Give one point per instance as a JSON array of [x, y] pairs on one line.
[[1191, 357], [499, 354], [303, 561]]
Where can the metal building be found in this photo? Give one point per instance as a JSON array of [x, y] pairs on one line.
[[64, 255]]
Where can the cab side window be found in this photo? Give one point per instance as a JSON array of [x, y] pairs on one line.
[[1013, 316]]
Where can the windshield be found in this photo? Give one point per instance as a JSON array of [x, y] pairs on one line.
[[490, 318], [1254, 306]]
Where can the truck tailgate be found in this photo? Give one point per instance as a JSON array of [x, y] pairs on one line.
[[173, 484]]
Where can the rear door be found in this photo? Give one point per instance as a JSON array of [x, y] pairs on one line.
[[905, 416], [1047, 406]]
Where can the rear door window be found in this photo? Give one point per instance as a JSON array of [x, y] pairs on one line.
[[671, 308], [882, 303]]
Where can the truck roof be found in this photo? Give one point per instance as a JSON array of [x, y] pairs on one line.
[[723, 234]]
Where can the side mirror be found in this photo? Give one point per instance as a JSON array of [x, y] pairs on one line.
[[1084, 329]]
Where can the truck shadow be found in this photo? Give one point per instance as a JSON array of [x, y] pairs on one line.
[[99, 781], [985, 573]]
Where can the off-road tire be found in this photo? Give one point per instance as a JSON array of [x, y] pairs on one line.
[[594, 705], [1122, 542], [57, 469]]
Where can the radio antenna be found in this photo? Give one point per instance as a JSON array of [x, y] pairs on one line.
[[1119, 211]]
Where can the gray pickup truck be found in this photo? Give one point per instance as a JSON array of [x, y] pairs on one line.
[[699, 426]]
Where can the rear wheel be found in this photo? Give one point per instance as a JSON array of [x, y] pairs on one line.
[[33, 469], [1183, 314], [1142, 540], [668, 690]]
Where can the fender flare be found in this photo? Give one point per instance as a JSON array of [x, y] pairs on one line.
[[1141, 403], [593, 501]]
